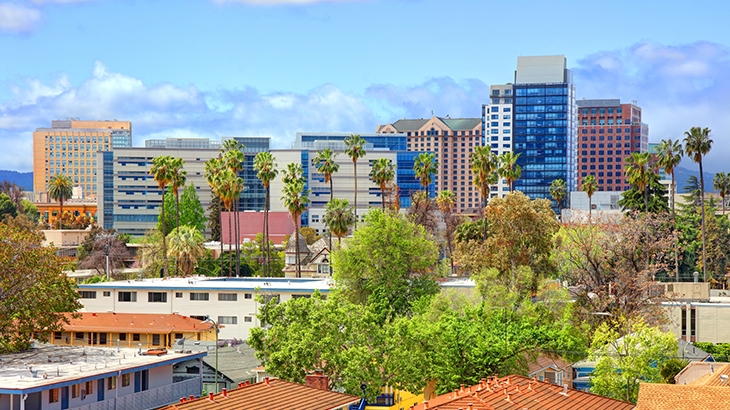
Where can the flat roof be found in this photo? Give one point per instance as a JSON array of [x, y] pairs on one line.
[[204, 283], [59, 366]]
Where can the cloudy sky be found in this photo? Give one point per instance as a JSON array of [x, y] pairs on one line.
[[216, 68]]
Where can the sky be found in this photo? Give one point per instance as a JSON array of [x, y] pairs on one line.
[[212, 68]]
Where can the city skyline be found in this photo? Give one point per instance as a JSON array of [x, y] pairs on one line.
[[250, 68]]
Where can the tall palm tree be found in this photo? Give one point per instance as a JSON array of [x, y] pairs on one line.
[[233, 156], [186, 245], [230, 186], [179, 176], [425, 166], [697, 144], [339, 217], [484, 167], [162, 172], [669, 155], [60, 188], [355, 150], [326, 165], [508, 168], [559, 190], [446, 201], [265, 165], [382, 173], [589, 186], [638, 172], [295, 198], [721, 183], [213, 167]]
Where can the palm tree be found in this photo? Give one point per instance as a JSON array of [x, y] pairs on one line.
[[60, 188], [213, 167], [355, 150], [669, 154], [162, 172], [484, 167], [721, 183], [382, 173], [425, 166], [295, 199], [339, 217], [229, 188], [446, 201], [325, 164], [589, 186], [233, 157], [638, 170], [508, 168], [186, 245], [176, 182], [265, 165], [559, 190], [697, 144]]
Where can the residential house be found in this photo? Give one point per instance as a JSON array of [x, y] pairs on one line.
[[551, 369], [234, 364], [314, 259]]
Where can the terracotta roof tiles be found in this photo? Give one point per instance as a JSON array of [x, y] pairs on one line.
[[134, 323], [685, 397]]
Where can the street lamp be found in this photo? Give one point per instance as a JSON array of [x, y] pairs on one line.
[[209, 320]]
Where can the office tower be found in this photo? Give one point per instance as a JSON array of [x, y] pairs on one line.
[[69, 147], [608, 132], [497, 127], [253, 196], [452, 140]]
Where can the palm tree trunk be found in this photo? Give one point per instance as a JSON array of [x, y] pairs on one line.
[[676, 242], [646, 199], [177, 225], [332, 196], [238, 240], [702, 206], [382, 195], [265, 239], [268, 247], [230, 241], [590, 208], [354, 163], [60, 215], [164, 237], [220, 234], [484, 212], [296, 245]]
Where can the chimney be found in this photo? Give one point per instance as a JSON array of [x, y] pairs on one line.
[[241, 384], [470, 407], [317, 380], [183, 400], [509, 397], [266, 381], [425, 405], [210, 397], [565, 390], [191, 398], [248, 383], [225, 392]]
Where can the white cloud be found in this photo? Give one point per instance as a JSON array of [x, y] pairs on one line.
[[15, 19]]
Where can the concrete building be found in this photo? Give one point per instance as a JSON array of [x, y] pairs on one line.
[[70, 148], [608, 132], [452, 140], [497, 127]]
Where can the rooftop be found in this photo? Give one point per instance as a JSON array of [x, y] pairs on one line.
[[675, 396], [270, 394], [47, 365], [135, 323], [198, 283]]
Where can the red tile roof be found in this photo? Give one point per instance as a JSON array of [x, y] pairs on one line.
[[684, 397], [134, 323], [270, 394], [518, 392]]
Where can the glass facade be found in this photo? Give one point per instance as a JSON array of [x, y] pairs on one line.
[[108, 189], [392, 142]]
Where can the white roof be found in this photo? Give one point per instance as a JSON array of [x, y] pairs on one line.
[[203, 283]]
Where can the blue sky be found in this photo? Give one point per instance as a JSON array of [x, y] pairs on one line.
[[274, 67]]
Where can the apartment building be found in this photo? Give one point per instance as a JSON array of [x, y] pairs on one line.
[[608, 132], [70, 148], [452, 140], [497, 117]]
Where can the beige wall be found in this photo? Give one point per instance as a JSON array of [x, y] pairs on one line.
[[711, 324], [67, 338], [66, 237]]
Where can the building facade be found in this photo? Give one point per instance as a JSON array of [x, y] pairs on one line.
[[253, 196], [452, 140], [608, 132], [497, 127], [70, 148]]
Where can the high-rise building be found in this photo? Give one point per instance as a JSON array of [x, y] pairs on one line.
[[69, 147], [452, 140], [253, 197], [608, 132], [497, 121], [544, 126]]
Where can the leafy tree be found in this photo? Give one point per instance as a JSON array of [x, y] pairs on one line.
[[721, 183], [485, 168], [638, 172], [163, 172], [425, 166], [29, 209], [559, 190], [15, 193], [655, 197], [295, 199], [508, 168], [339, 217], [589, 186], [697, 144], [423, 212], [7, 207], [309, 234], [717, 246], [389, 263], [692, 187], [151, 258], [382, 173], [669, 155], [355, 150], [34, 291], [625, 361], [191, 212], [99, 245], [471, 231], [60, 188], [671, 368], [186, 245], [20, 222], [255, 255], [446, 200]]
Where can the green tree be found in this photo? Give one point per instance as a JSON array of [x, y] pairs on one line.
[[425, 166], [638, 172], [485, 168], [30, 210], [389, 263], [233, 158], [265, 166], [446, 200], [382, 173], [669, 154], [654, 195], [309, 234], [229, 189], [34, 291], [508, 168], [186, 246], [697, 144], [339, 217], [589, 186], [355, 150], [559, 190], [326, 165], [721, 183], [191, 211], [163, 172], [622, 362], [60, 188], [295, 199], [7, 207]]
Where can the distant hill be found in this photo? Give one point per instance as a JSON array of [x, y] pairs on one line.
[[23, 179], [682, 174]]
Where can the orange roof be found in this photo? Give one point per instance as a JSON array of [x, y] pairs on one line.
[[679, 396], [134, 323], [715, 378], [518, 392], [270, 394]]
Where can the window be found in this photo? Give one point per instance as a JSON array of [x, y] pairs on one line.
[[247, 296], [57, 335], [79, 335], [247, 319], [126, 379], [127, 296], [135, 337], [227, 320], [53, 396], [157, 297], [107, 293], [87, 294], [123, 337], [156, 340], [89, 388], [198, 296], [178, 294], [228, 297], [75, 391], [111, 383]]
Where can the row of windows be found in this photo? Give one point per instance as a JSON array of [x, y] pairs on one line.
[[76, 138], [607, 159], [601, 166], [610, 130], [435, 132], [609, 121], [609, 110], [600, 174], [504, 109], [161, 297]]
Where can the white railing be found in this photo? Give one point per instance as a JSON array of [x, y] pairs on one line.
[[148, 399]]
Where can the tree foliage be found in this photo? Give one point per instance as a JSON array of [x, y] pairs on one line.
[[100, 243], [191, 211], [34, 291], [634, 200]]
